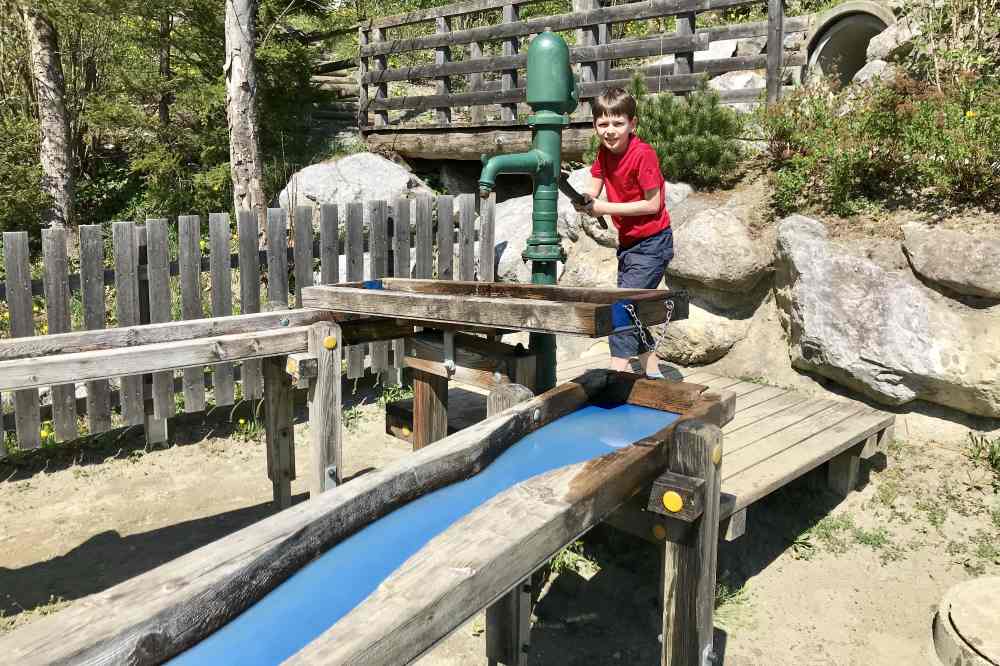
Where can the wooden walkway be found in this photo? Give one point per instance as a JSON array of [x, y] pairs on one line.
[[777, 436]]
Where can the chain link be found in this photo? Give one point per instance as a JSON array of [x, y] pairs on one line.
[[668, 305]]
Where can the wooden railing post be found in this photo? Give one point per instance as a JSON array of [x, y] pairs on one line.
[[279, 431], [442, 54], [690, 550], [363, 64], [325, 344], [684, 62], [508, 79], [382, 89], [508, 620], [603, 37], [586, 36], [156, 428], [775, 48]]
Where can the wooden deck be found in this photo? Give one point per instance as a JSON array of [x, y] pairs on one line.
[[777, 436]]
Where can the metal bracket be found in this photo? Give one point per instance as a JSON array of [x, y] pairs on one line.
[[449, 351], [330, 478]]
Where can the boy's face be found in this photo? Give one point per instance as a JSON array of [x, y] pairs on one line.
[[613, 131]]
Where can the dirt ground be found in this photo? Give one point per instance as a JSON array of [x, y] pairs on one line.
[[814, 580]]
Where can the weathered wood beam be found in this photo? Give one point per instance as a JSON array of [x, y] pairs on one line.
[[161, 613], [326, 453], [470, 144], [453, 9]]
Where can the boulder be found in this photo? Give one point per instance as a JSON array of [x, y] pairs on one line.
[[715, 248], [895, 42], [704, 337], [751, 46], [359, 177], [876, 70], [872, 331], [737, 81], [971, 266]]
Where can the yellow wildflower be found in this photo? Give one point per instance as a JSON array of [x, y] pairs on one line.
[[970, 114]]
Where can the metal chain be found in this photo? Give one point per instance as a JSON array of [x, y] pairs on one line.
[[668, 305]]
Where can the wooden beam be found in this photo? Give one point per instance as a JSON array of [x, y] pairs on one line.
[[161, 613], [279, 430], [472, 143], [326, 345], [453, 9], [477, 361], [775, 48], [430, 408]]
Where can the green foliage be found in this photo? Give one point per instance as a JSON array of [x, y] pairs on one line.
[[907, 142], [695, 137], [985, 450], [21, 198]]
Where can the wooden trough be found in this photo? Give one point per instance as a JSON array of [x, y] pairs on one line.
[[469, 566]]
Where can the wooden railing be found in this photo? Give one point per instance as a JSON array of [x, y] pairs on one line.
[[417, 238], [494, 102]]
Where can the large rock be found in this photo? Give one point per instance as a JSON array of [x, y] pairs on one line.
[[877, 333], [715, 249], [359, 177], [876, 70], [737, 81], [971, 266], [703, 337], [895, 42]]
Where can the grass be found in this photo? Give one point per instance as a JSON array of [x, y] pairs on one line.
[[984, 450], [11, 622], [731, 604], [572, 558]]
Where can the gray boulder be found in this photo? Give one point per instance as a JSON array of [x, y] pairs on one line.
[[879, 70], [751, 46], [704, 337], [714, 248], [359, 177], [895, 42], [875, 332], [971, 266]]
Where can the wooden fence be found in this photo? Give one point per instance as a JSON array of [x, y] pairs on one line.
[[419, 237], [495, 102]]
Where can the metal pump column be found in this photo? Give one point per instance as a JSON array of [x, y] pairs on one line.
[[551, 94]]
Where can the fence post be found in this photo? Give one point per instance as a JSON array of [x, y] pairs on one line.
[[508, 619], [156, 429], [220, 266], [56, 282], [27, 411], [94, 317], [189, 260], [587, 36], [326, 454], [382, 89], [690, 550], [683, 62], [127, 309], [508, 80], [363, 29], [442, 54], [477, 113], [775, 48], [279, 430]]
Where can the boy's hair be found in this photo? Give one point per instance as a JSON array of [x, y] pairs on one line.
[[614, 102]]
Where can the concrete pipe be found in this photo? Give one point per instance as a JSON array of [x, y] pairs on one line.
[[839, 41]]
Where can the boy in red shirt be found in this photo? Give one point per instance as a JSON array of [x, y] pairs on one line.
[[628, 169]]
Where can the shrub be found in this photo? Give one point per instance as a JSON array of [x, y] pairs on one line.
[[907, 142], [695, 137]]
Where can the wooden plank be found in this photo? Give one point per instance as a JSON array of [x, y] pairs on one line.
[[326, 453], [303, 251], [690, 552], [798, 453], [478, 362], [442, 54], [508, 78], [155, 429], [765, 393], [277, 259], [752, 431], [363, 66], [477, 113], [508, 620], [56, 278], [378, 241], [453, 9], [127, 310], [401, 259], [430, 408], [329, 238], [775, 48], [784, 402], [354, 251], [94, 316], [189, 256], [445, 237], [843, 470], [587, 295], [160, 310], [382, 89], [568, 21], [424, 245], [161, 613], [279, 431], [466, 237], [487, 236], [18, 283], [684, 60], [249, 265], [715, 66], [222, 299]]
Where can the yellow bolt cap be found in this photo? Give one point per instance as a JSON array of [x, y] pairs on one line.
[[672, 501], [716, 454], [406, 432], [330, 342]]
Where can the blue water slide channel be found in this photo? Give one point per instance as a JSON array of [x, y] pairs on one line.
[[311, 601]]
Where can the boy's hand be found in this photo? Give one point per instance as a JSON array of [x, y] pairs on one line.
[[586, 205]]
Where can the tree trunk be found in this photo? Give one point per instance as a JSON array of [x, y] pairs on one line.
[[241, 110], [166, 96], [50, 91]]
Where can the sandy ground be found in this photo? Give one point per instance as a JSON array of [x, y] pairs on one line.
[[814, 580]]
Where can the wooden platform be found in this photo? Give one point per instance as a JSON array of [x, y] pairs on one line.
[[777, 436]]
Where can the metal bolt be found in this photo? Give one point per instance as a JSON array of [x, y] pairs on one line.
[[284, 321], [449, 365], [537, 415], [497, 377]]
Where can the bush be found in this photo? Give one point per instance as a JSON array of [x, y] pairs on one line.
[[22, 200], [907, 142], [695, 137]]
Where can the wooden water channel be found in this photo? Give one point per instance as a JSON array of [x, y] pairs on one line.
[[478, 72]]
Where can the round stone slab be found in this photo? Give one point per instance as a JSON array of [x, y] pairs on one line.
[[967, 624]]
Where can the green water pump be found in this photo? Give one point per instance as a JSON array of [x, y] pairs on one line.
[[552, 96]]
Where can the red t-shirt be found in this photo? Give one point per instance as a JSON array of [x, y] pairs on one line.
[[626, 177]]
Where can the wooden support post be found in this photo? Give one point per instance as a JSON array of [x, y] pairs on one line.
[[508, 620], [775, 48], [477, 112], [363, 65], [325, 344], [442, 54], [690, 551], [56, 282], [508, 79], [842, 470], [279, 430], [156, 428], [430, 408], [684, 62], [586, 36], [382, 89]]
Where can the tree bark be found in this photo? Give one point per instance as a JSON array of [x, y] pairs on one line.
[[166, 96], [55, 153], [241, 110]]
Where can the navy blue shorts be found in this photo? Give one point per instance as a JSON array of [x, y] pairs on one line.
[[641, 266]]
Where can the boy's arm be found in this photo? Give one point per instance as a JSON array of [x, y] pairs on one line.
[[649, 205], [594, 187]]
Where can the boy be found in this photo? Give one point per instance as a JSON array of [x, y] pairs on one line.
[[628, 169]]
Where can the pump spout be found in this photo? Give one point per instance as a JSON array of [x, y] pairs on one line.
[[531, 162]]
